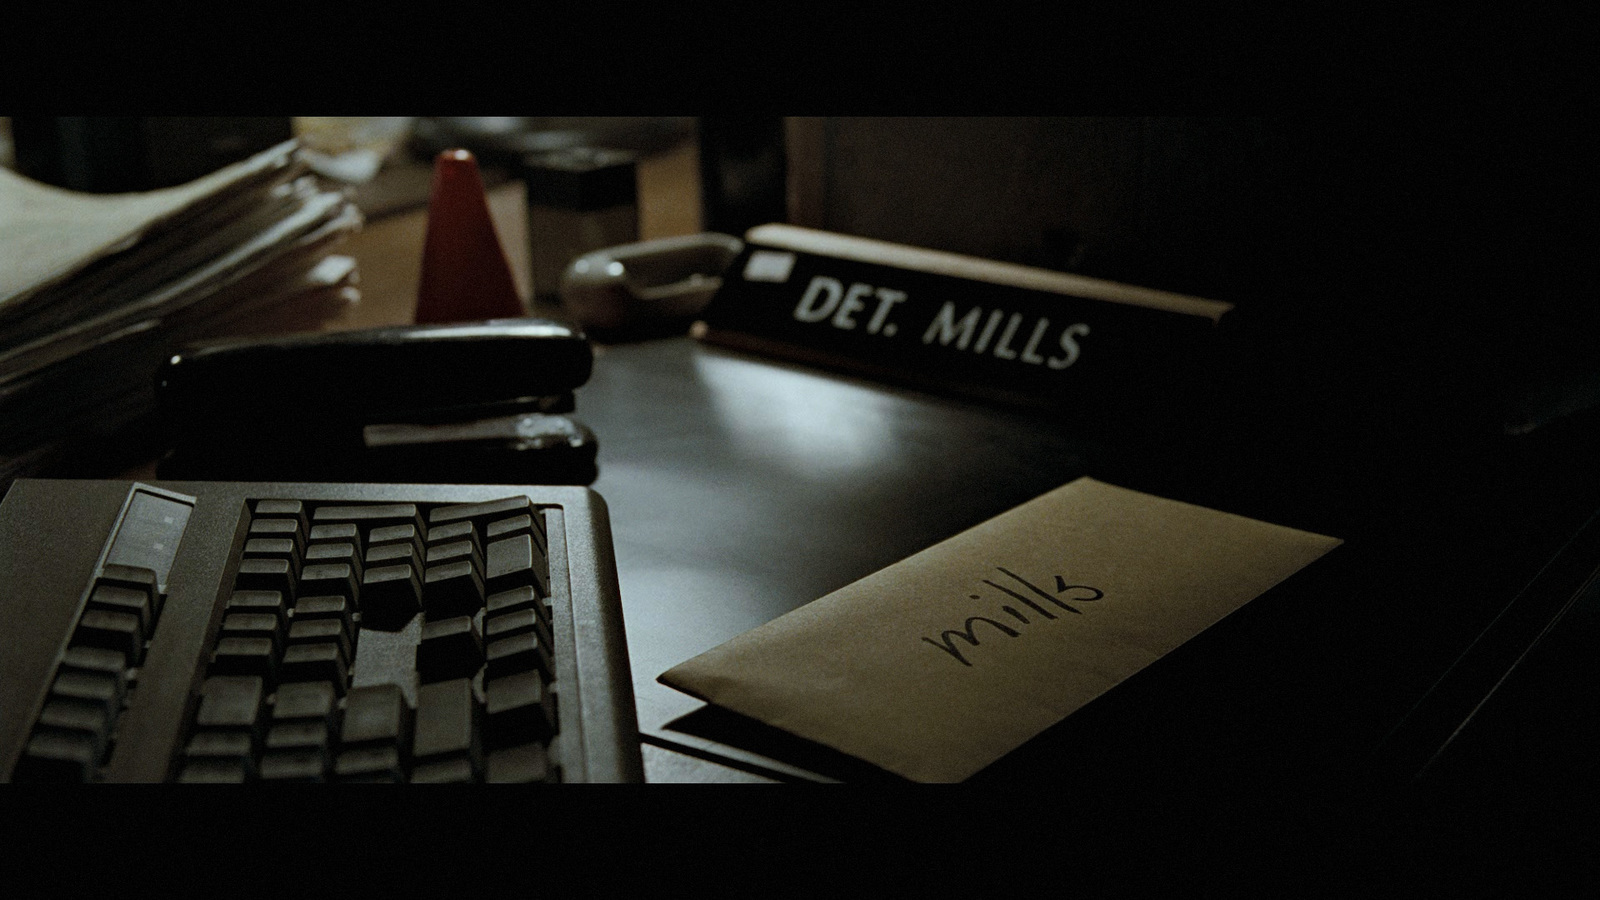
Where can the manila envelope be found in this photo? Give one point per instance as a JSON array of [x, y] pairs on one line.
[[940, 664]]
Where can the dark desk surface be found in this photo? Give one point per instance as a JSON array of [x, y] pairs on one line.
[[741, 488]]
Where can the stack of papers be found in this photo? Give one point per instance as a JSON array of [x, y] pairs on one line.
[[96, 290]]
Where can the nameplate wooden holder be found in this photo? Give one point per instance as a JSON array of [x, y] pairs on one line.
[[956, 324]]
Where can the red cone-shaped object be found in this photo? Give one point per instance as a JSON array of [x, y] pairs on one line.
[[465, 276]]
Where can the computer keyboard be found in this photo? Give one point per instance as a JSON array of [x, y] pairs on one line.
[[236, 632]]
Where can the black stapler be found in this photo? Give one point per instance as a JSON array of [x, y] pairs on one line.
[[463, 403]]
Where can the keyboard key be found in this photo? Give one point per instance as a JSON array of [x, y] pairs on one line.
[[299, 765], [514, 623], [395, 554], [230, 702], [370, 764], [117, 631], [261, 546], [326, 606], [98, 660], [450, 648], [449, 534], [283, 509], [447, 723], [255, 656], [342, 552], [521, 709], [273, 602], [57, 756], [504, 528], [407, 533], [376, 714], [336, 532], [452, 589], [322, 661], [312, 631], [227, 756], [306, 700], [455, 551], [87, 695], [334, 607], [253, 625], [104, 691], [279, 528], [274, 548], [119, 598], [206, 770], [392, 538], [78, 716], [322, 579], [518, 598], [234, 745], [214, 771], [531, 525], [488, 509], [301, 733], [296, 751], [266, 573], [524, 764], [514, 655], [455, 770], [137, 577], [513, 563], [371, 514], [75, 715], [390, 596]]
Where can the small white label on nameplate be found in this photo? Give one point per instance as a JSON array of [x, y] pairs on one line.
[[767, 265]]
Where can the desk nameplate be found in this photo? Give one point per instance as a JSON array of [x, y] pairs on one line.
[[955, 323]]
